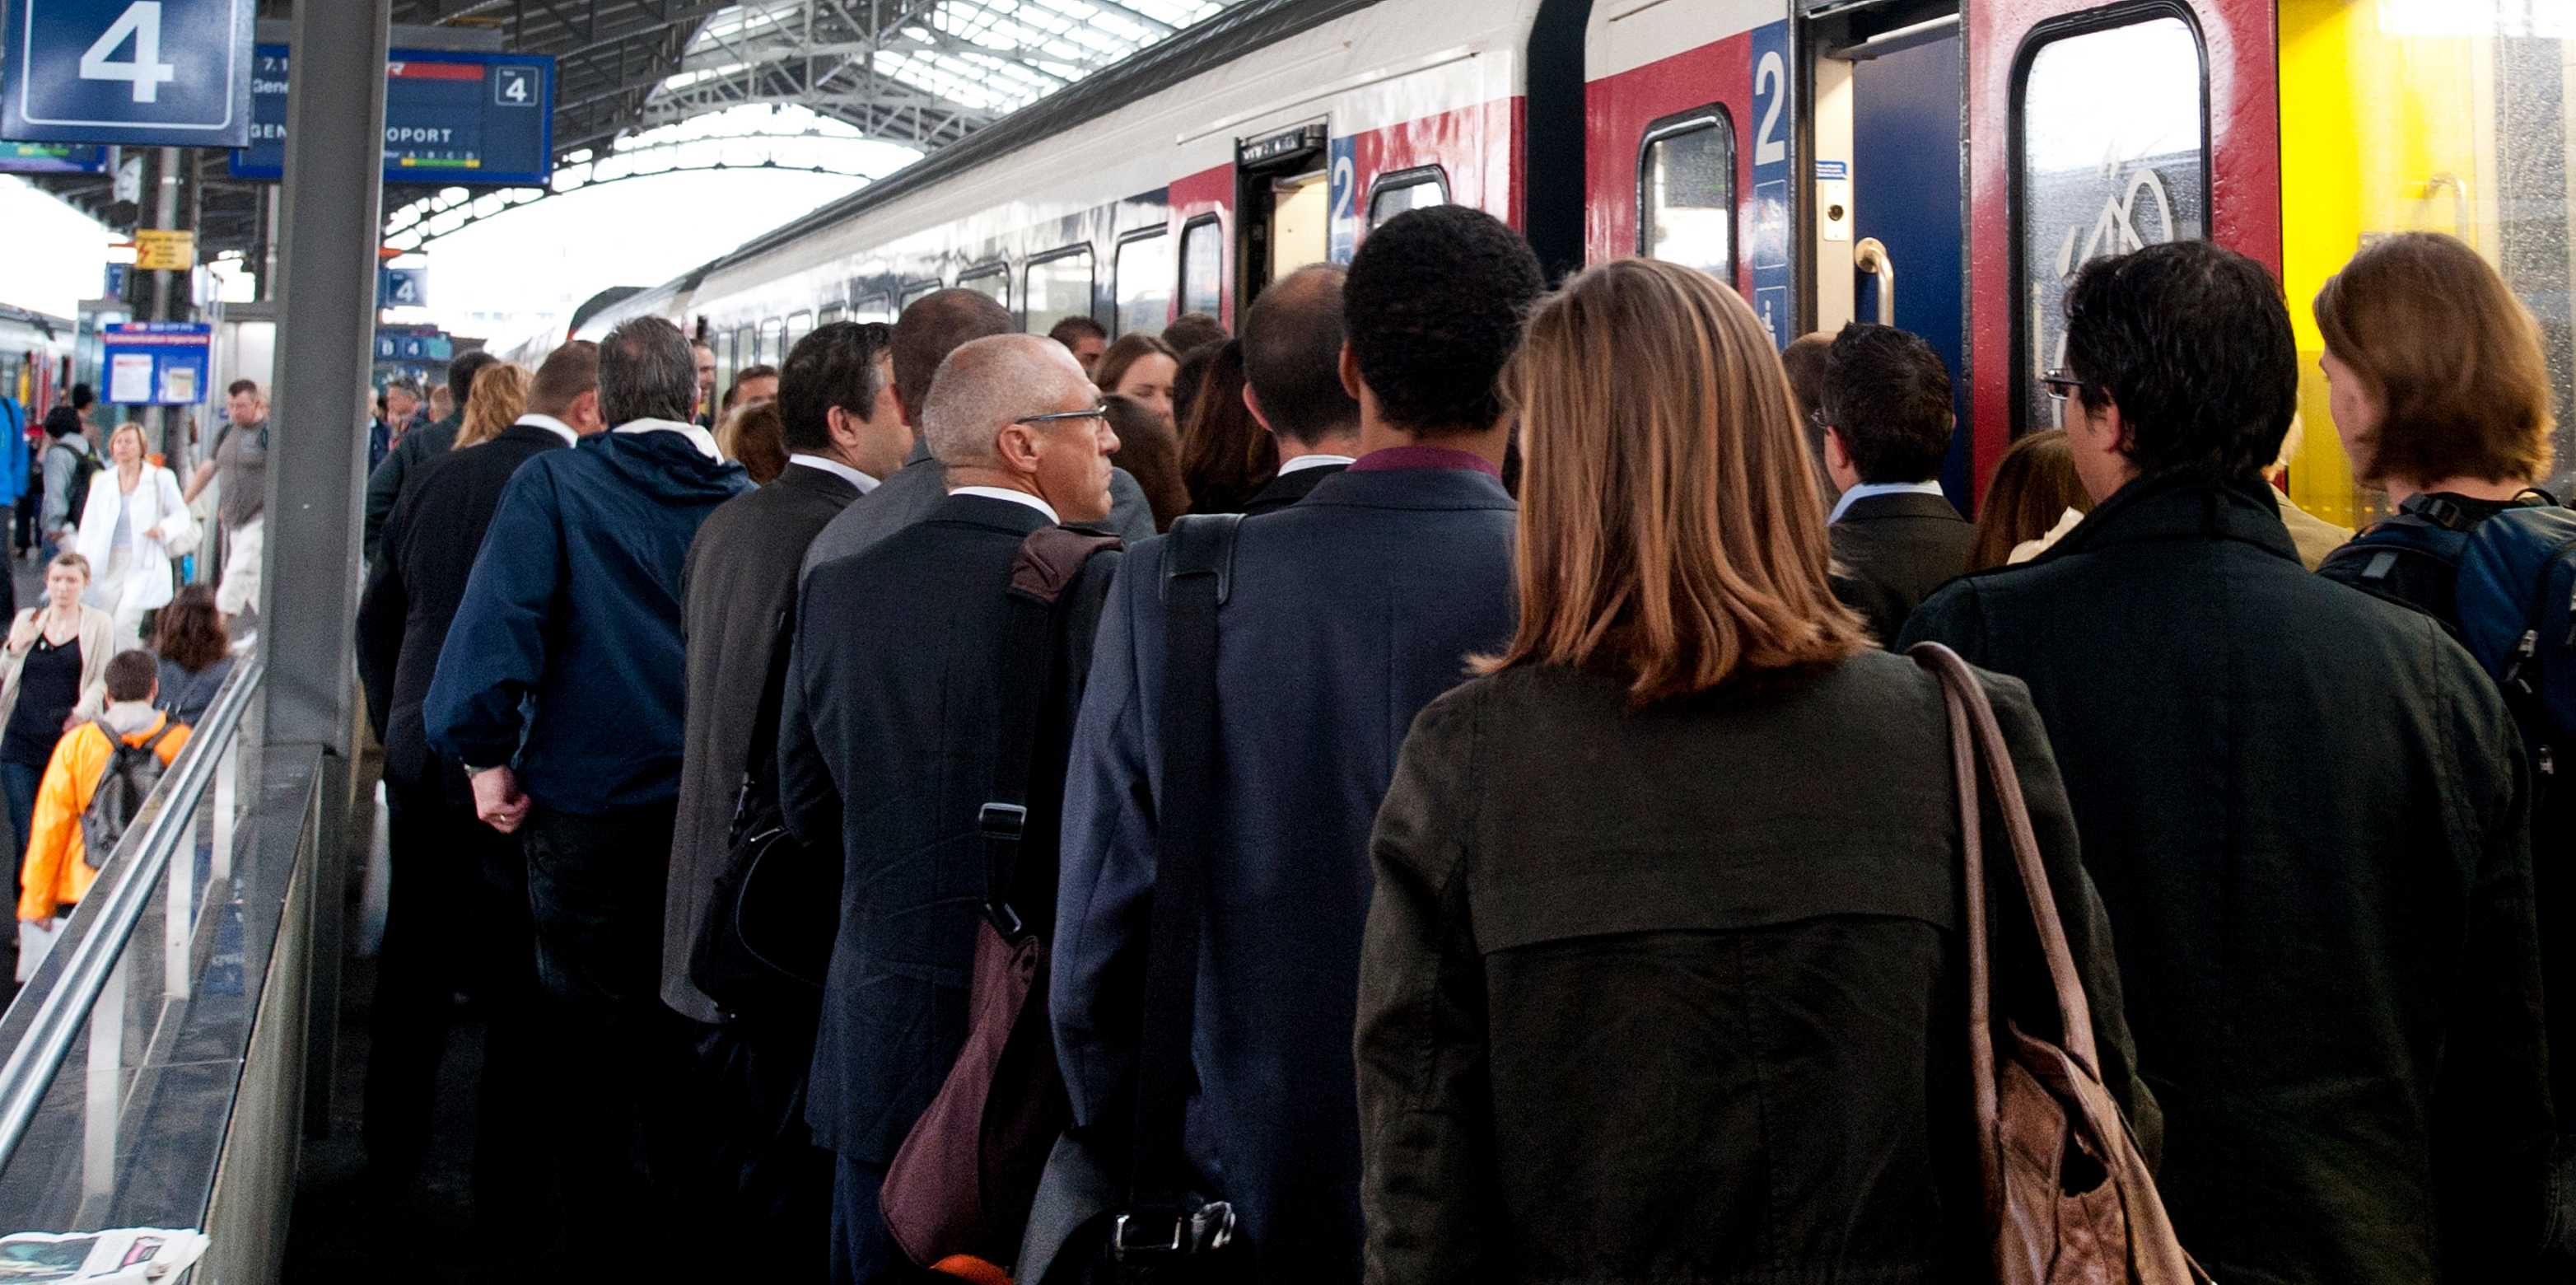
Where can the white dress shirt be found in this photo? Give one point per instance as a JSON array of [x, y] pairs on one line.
[[1015, 497], [837, 469], [1304, 462], [1868, 489]]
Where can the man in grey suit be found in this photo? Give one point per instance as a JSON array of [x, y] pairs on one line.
[[933, 327]]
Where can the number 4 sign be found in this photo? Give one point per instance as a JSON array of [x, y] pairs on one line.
[[165, 72]]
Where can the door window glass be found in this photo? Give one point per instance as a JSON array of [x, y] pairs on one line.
[[799, 325], [773, 346], [1059, 287], [2114, 158], [1686, 194], [1202, 266], [875, 307], [994, 281], [1410, 190], [1144, 282]]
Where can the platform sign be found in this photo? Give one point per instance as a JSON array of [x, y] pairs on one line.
[[1767, 237], [463, 119], [158, 72], [52, 158], [156, 363], [402, 287]]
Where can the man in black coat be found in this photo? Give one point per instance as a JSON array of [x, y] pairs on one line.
[[1347, 613], [2304, 808], [888, 744], [425, 442], [459, 919], [1887, 424], [1292, 383], [843, 434]]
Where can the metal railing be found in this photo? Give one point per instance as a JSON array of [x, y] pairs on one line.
[[84, 991]]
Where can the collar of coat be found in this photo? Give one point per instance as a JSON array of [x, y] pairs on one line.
[[2182, 506]]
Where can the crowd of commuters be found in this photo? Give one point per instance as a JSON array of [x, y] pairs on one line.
[[941, 767]]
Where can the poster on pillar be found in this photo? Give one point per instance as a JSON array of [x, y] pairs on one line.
[[171, 73], [156, 363]]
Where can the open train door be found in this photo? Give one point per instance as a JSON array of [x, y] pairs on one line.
[[2094, 130]]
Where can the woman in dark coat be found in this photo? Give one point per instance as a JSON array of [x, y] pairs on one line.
[[1663, 978]]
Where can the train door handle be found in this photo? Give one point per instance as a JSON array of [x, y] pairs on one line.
[[2459, 190], [1870, 256]]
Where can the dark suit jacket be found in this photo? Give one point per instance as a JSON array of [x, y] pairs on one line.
[[739, 581], [886, 752], [412, 591], [1349, 612], [921, 486], [1288, 488], [1893, 551], [386, 481]]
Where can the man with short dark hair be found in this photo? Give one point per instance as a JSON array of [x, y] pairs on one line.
[[1344, 614], [1192, 330], [559, 688], [1082, 336], [1887, 422], [705, 355], [418, 447], [751, 384], [2305, 810], [239, 462], [1292, 383], [935, 326]]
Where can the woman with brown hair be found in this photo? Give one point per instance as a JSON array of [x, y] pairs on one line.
[[498, 398], [1661, 977], [1151, 453], [1142, 368], [2034, 497], [196, 652], [1226, 455], [754, 435]]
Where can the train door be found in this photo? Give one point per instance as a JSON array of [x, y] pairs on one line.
[[1883, 192], [2094, 130], [1281, 190]]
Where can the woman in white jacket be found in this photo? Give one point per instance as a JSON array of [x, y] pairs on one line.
[[133, 516]]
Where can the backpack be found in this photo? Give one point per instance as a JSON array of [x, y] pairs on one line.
[[132, 772], [85, 466], [2513, 601]]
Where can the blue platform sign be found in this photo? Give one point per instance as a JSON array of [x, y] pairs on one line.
[[156, 363], [155, 72], [451, 119], [402, 287]]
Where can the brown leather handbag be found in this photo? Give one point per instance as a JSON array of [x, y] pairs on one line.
[[2068, 1196]]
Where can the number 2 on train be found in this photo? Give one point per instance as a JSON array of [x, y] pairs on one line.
[[1770, 76], [141, 21]]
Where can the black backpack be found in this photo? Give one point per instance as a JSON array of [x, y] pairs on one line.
[[131, 774], [85, 465]]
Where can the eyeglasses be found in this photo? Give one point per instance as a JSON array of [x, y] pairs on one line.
[[1096, 412], [2061, 385]]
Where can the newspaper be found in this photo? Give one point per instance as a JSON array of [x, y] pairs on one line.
[[127, 1256]]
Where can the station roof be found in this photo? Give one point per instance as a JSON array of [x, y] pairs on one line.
[[919, 73]]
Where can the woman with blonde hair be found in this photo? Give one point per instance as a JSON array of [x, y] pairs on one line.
[[134, 523], [495, 402], [1661, 977], [53, 673]]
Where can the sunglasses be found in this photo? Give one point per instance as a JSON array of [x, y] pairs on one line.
[[1096, 412], [2061, 385]]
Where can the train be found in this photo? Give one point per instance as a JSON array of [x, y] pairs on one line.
[[36, 354], [1942, 165]]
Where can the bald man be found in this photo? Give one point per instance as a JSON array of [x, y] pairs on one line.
[[889, 742]]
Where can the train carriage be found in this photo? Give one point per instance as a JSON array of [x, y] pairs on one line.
[[1942, 165]]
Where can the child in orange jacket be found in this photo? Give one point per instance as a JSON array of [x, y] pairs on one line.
[[56, 875]]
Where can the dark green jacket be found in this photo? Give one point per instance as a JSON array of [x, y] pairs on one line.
[[2306, 813]]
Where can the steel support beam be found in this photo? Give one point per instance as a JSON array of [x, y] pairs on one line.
[[332, 208]]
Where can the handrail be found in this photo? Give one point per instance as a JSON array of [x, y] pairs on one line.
[[116, 907]]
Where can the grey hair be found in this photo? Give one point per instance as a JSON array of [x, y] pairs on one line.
[[646, 371], [406, 384], [985, 385]]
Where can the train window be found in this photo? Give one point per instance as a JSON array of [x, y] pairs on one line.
[[1202, 265], [918, 291], [993, 279], [773, 342], [799, 325], [1058, 286], [832, 312], [1413, 189], [875, 307], [1144, 281], [1686, 192], [2112, 135], [745, 352]]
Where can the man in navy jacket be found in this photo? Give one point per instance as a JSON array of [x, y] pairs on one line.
[[560, 689], [1349, 611]]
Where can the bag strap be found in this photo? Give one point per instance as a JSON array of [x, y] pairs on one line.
[[1050, 560], [760, 769], [1197, 576]]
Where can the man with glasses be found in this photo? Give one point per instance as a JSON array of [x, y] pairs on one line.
[[892, 732]]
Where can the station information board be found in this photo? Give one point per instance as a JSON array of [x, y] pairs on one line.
[[156, 363], [462, 119], [139, 72]]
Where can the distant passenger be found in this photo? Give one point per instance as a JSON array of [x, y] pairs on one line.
[[239, 462], [2315, 537], [53, 671], [450, 868], [1804, 362], [1344, 615], [843, 433], [2033, 498], [2305, 810], [752, 384], [1187, 376], [442, 401], [1293, 385], [132, 511], [196, 654], [1645, 1011], [1226, 455], [66, 456], [1141, 368], [559, 689], [1191, 330], [418, 447], [890, 740], [395, 409], [1887, 424], [1084, 338], [59, 868], [500, 398], [704, 354], [934, 326], [1152, 453], [754, 435]]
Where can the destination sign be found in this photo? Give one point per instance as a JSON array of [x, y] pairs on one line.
[[467, 119]]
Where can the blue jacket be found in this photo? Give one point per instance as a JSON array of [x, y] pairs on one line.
[[564, 659], [1350, 611], [14, 450]]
